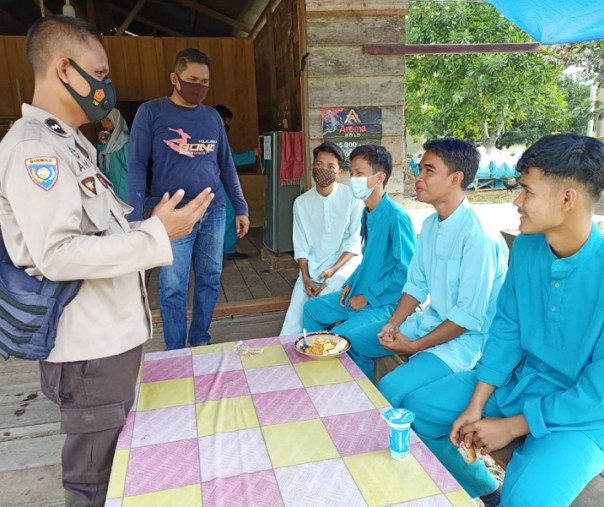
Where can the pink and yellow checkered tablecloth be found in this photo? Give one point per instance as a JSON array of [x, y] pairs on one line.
[[212, 428]]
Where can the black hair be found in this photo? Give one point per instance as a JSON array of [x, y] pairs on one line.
[[377, 156], [56, 34], [579, 158], [224, 111], [457, 155], [329, 147], [190, 55]]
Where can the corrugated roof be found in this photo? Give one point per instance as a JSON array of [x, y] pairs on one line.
[[190, 18]]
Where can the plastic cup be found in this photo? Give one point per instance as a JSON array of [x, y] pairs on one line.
[[399, 421]]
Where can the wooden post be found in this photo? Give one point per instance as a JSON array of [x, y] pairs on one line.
[[270, 7], [272, 73], [304, 94]]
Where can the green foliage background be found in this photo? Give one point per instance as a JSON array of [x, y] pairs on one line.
[[479, 97]]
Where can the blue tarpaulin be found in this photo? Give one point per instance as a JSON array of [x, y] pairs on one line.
[[556, 21]]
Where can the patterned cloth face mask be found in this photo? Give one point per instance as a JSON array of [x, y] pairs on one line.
[[323, 177]]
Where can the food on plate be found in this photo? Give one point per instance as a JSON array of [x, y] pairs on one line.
[[324, 345]]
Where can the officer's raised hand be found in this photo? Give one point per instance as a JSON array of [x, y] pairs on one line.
[[180, 221]]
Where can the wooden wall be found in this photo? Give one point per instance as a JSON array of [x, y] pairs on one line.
[[232, 77], [277, 52], [340, 74], [140, 68], [16, 80]]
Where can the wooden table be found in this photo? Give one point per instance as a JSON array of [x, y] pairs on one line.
[[210, 427]]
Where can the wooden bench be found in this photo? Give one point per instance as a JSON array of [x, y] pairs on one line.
[[592, 495], [262, 305]]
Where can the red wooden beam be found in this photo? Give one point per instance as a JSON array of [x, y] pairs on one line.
[[443, 49]]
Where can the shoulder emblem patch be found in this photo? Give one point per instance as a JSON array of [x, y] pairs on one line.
[[89, 183], [104, 181], [43, 171], [55, 126]]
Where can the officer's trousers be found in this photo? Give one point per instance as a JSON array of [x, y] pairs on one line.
[[94, 398]]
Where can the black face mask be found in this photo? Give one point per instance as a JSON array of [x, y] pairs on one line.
[[100, 100]]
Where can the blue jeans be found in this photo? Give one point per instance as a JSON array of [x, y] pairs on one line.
[[204, 247]]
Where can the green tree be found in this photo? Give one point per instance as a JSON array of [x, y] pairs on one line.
[[477, 96], [574, 120], [587, 58], [577, 97]]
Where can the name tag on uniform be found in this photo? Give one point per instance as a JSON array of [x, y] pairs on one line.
[[43, 171]]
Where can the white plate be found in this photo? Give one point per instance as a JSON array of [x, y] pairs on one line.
[[328, 336]]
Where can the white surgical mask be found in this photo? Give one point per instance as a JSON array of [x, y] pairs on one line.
[[358, 187]]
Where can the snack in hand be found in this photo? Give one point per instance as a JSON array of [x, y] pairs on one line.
[[467, 453]]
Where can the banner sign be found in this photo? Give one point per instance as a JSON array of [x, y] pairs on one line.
[[349, 127]]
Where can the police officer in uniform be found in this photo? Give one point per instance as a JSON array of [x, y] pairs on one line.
[[60, 218]]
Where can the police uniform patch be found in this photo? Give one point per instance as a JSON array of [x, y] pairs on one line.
[[55, 126], [104, 181], [43, 171], [89, 183], [75, 153]]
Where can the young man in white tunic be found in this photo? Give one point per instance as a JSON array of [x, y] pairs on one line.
[[326, 234]]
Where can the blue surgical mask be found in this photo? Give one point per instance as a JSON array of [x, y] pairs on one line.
[[358, 187]]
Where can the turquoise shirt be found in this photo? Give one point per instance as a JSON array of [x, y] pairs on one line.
[[245, 158], [116, 169], [545, 351], [387, 250], [461, 267]]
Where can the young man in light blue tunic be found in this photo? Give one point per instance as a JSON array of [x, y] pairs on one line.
[[326, 234], [371, 292], [541, 375], [459, 267]]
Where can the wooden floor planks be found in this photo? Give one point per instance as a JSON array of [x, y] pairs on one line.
[[242, 279], [234, 285]]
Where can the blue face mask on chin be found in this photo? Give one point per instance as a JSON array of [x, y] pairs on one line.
[[100, 100], [359, 189]]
